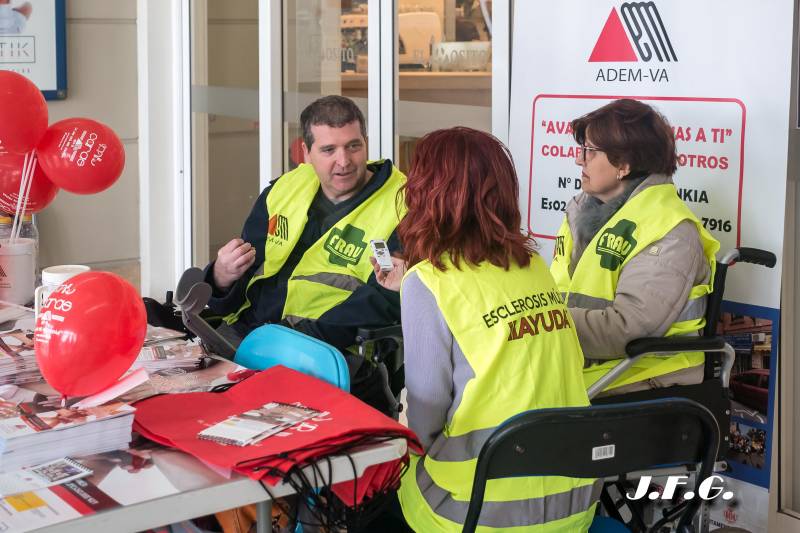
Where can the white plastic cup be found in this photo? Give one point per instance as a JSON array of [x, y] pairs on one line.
[[52, 277], [17, 270]]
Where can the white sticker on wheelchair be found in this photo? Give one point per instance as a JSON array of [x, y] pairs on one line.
[[603, 452]]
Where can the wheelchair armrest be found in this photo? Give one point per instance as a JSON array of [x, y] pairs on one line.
[[638, 348], [364, 335], [370, 345], [666, 345]]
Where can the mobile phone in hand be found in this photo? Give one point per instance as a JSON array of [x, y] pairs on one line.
[[382, 256]]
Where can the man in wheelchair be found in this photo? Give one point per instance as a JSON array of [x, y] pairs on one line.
[[303, 257]]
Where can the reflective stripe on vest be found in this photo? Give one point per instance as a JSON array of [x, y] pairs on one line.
[[643, 220], [338, 263], [694, 310], [520, 343], [545, 510]]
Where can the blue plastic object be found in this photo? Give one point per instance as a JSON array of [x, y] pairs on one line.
[[604, 524], [272, 345]]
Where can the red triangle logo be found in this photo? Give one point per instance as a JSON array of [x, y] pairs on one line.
[[613, 43]]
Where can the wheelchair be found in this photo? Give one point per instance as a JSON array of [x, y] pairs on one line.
[[712, 393], [378, 380]]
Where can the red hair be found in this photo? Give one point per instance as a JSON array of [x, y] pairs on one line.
[[462, 196]]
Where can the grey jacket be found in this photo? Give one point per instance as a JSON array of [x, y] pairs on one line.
[[652, 290], [437, 371]]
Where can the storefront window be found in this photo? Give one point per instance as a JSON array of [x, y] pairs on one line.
[[443, 59], [325, 48], [445, 68]]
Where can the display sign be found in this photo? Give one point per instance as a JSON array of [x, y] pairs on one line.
[[709, 136], [731, 125], [727, 99], [33, 43]]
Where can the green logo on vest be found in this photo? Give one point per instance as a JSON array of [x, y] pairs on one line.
[[615, 244], [345, 246]]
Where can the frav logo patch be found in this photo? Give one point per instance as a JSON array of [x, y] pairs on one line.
[[615, 244], [279, 227], [345, 246]]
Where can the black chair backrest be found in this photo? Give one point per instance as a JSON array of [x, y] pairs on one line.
[[563, 442]]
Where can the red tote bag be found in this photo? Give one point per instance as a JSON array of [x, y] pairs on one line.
[[175, 420]]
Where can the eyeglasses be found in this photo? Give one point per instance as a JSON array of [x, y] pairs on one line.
[[583, 155]]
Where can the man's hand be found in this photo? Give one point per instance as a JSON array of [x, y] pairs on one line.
[[232, 262], [390, 280]]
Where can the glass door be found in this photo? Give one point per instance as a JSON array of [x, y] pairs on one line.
[[444, 64], [224, 121], [325, 51], [412, 66]]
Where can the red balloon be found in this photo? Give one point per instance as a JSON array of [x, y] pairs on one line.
[[23, 113], [42, 189], [81, 155], [296, 151], [89, 332]]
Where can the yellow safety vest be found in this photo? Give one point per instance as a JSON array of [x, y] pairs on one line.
[[644, 219], [519, 340], [338, 263]]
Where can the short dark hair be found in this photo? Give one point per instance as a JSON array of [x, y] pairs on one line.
[[631, 132], [334, 111]]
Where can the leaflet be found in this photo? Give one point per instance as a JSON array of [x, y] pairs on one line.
[[258, 424], [41, 476]]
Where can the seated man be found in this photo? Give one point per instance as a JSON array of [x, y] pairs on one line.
[[303, 257]]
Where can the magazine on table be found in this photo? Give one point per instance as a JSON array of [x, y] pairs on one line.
[[170, 353], [158, 334], [15, 344], [181, 379], [40, 476], [44, 413], [142, 472], [256, 425], [35, 427], [17, 357]]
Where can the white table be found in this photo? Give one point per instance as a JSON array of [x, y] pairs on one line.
[[150, 486], [218, 494]]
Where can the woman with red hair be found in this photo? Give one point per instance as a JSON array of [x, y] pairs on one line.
[[486, 337]]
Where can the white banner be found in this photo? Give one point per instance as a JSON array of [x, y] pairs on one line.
[[727, 98]]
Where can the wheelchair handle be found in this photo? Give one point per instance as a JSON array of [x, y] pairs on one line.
[[758, 257], [750, 255]]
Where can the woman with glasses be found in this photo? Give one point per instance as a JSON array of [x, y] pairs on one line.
[[486, 336], [635, 261]]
